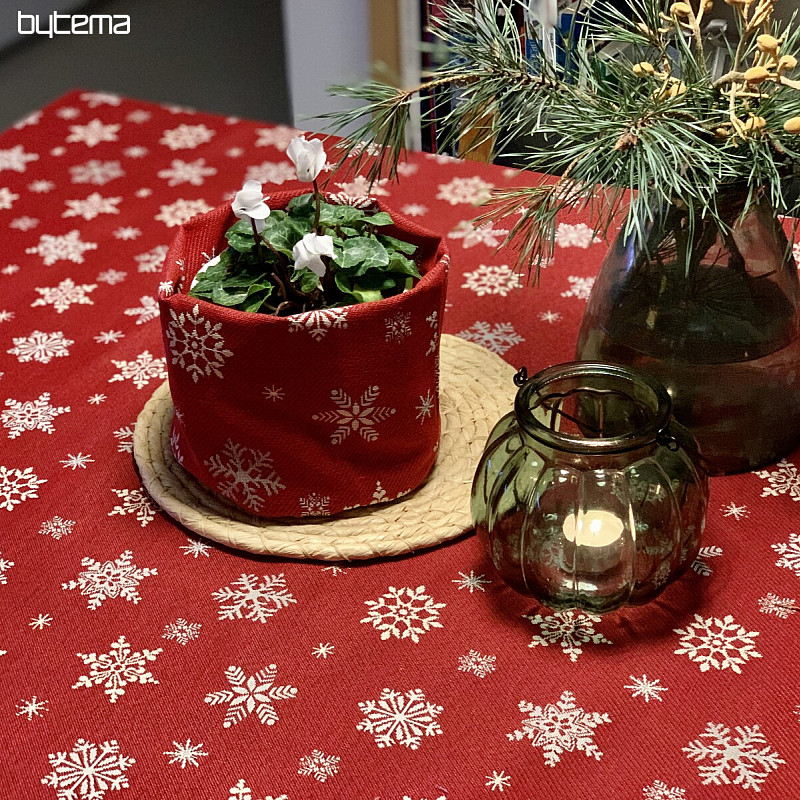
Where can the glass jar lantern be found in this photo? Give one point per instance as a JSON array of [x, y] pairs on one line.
[[589, 495]]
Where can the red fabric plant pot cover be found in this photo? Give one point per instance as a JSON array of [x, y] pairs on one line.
[[311, 414]]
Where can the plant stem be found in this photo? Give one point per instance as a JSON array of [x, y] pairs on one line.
[[317, 206], [257, 237]]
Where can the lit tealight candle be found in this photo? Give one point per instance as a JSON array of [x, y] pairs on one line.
[[593, 528]]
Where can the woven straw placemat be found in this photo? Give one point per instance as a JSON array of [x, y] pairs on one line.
[[476, 390]]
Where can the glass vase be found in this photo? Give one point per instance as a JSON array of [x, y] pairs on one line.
[[711, 311]]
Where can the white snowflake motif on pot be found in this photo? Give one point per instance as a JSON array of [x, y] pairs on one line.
[[781, 607], [116, 669], [498, 337], [433, 320], [194, 172], [645, 687], [136, 502], [490, 279], [743, 758], [141, 371], [400, 718], [359, 416], [789, 553], [57, 527], [699, 565], [579, 287], [563, 727], [319, 766], [318, 323], [571, 629], [37, 415], [425, 408], [186, 137], [248, 597], [88, 771], [5, 565], [314, 505], [404, 613], [278, 137], [485, 234], [718, 643], [152, 260], [659, 790], [251, 693], [41, 347], [67, 247], [16, 159], [182, 631], [7, 198], [398, 327], [92, 206], [244, 474], [93, 133], [196, 345], [477, 664], [96, 172], [186, 754], [473, 190], [32, 708], [271, 172], [146, 311], [104, 580], [784, 480], [66, 294], [181, 211], [578, 235], [17, 486]]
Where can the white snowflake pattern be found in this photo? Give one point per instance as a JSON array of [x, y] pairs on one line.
[[744, 754], [137, 151], [68, 112], [718, 643], [251, 693], [473, 190], [23, 223], [36, 415], [271, 172], [579, 287], [18, 485], [127, 233], [404, 613], [152, 260], [559, 728], [141, 371], [194, 172], [10, 269], [245, 474], [181, 211], [88, 771], [359, 416], [195, 344], [471, 582], [784, 480], [360, 190], [6, 316], [196, 548], [318, 323], [335, 569], [111, 276], [92, 206], [29, 119], [7, 198], [186, 137], [41, 347], [41, 622], [273, 393], [136, 502], [319, 765], [400, 718], [414, 209], [93, 133], [67, 247], [425, 408], [250, 598], [5, 565], [78, 461], [477, 663], [16, 159], [571, 629], [57, 527], [498, 337], [781, 607], [109, 337], [492, 279], [699, 565], [96, 399], [314, 505], [578, 235], [789, 553], [41, 186], [124, 437], [736, 511], [322, 650], [472, 235], [146, 311], [182, 631], [186, 754], [94, 99], [103, 580], [64, 295], [116, 669], [96, 172], [498, 780], [659, 790], [277, 137], [32, 708], [398, 327], [645, 687]]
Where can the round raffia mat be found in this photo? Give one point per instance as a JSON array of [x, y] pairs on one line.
[[476, 390]]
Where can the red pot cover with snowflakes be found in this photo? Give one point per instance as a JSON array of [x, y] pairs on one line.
[[311, 414]]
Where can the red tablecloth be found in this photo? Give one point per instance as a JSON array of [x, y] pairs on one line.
[[138, 659]]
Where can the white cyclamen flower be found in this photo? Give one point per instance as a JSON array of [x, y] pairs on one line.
[[309, 250], [249, 202], [212, 263], [308, 157]]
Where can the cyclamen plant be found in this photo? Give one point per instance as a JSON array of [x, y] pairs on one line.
[[312, 255]]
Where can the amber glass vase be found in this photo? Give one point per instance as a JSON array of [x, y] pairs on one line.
[[711, 311]]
